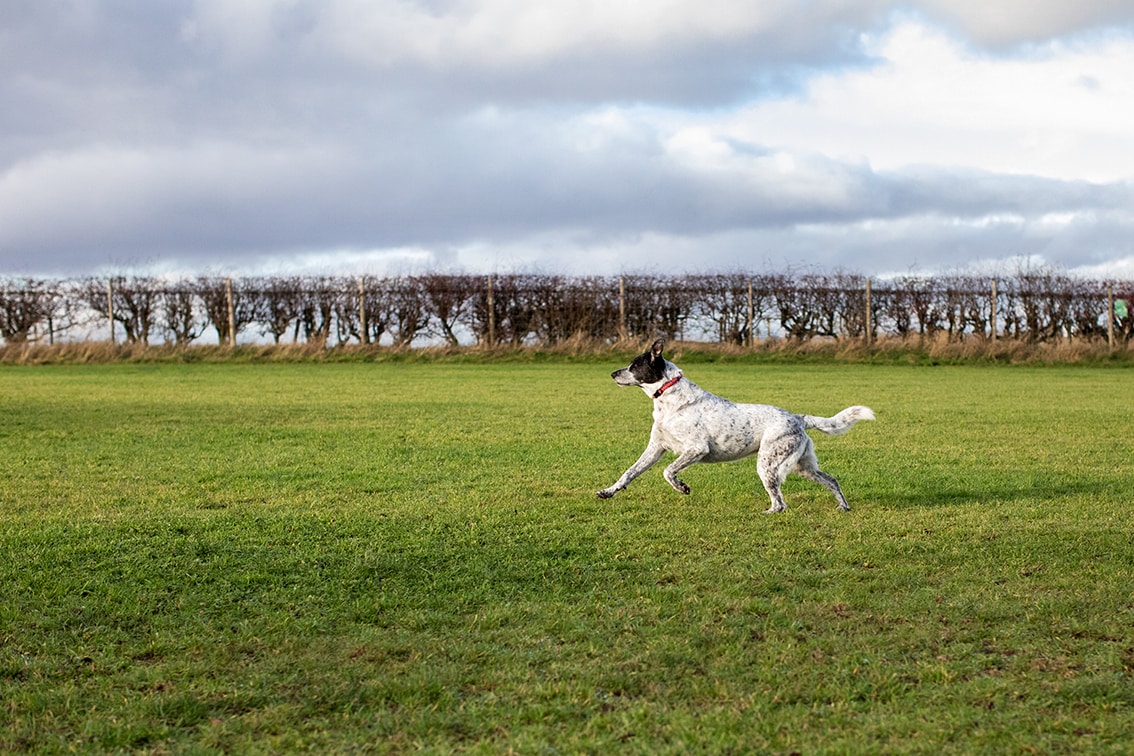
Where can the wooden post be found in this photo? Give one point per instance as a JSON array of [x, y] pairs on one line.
[[622, 335], [110, 306], [751, 318], [1110, 315], [231, 313], [363, 326], [869, 325], [491, 315], [992, 317]]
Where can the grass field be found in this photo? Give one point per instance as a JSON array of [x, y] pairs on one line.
[[400, 557]]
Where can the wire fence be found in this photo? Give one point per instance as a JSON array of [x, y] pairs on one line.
[[545, 310]]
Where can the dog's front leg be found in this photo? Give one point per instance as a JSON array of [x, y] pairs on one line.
[[651, 455], [688, 458]]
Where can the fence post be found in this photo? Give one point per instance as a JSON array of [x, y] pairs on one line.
[[751, 318], [363, 326], [622, 335], [491, 315], [1110, 315], [110, 306], [231, 313], [992, 316], [869, 325]]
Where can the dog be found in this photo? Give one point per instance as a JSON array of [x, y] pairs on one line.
[[699, 426]]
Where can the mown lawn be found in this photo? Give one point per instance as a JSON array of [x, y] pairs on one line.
[[398, 557]]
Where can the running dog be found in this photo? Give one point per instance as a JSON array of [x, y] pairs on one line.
[[699, 426]]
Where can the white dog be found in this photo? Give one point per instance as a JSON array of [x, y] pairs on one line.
[[699, 426]]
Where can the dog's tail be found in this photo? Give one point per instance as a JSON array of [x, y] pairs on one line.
[[840, 423]]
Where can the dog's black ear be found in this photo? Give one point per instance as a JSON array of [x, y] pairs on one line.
[[656, 349]]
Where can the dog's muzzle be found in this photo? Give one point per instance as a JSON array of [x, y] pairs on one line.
[[624, 377]]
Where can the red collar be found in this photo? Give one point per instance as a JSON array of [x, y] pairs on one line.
[[667, 385]]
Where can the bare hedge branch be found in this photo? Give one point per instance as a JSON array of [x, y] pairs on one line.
[[1032, 305]]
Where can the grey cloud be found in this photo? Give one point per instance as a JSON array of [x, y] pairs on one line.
[[1001, 26], [448, 185]]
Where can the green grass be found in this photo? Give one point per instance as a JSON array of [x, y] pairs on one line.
[[399, 557]]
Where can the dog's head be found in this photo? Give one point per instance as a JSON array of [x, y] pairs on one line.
[[646, 369]]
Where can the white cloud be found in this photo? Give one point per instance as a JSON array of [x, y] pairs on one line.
[[1067, 113], [1118, 269]]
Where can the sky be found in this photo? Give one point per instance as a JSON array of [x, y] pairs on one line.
[[582, 137]]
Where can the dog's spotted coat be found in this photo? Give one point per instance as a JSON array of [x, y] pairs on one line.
[[699, 426]]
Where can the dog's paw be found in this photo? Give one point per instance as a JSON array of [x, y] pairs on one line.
[[605, 493], [680, 487]]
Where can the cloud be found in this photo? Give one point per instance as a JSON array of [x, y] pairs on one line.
[[462, 133], [499, 183], [501, 35], [1009, 23], [154, 201], [1065, 112], [449, 56]]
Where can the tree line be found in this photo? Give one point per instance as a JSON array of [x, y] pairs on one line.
[[547, 309]]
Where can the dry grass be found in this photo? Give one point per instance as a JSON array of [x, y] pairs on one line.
[[939, 350], [914, 351]]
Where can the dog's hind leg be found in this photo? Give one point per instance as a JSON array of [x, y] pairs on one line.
[[809, 468], [778, 458], [650, 456], [772, 484]]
